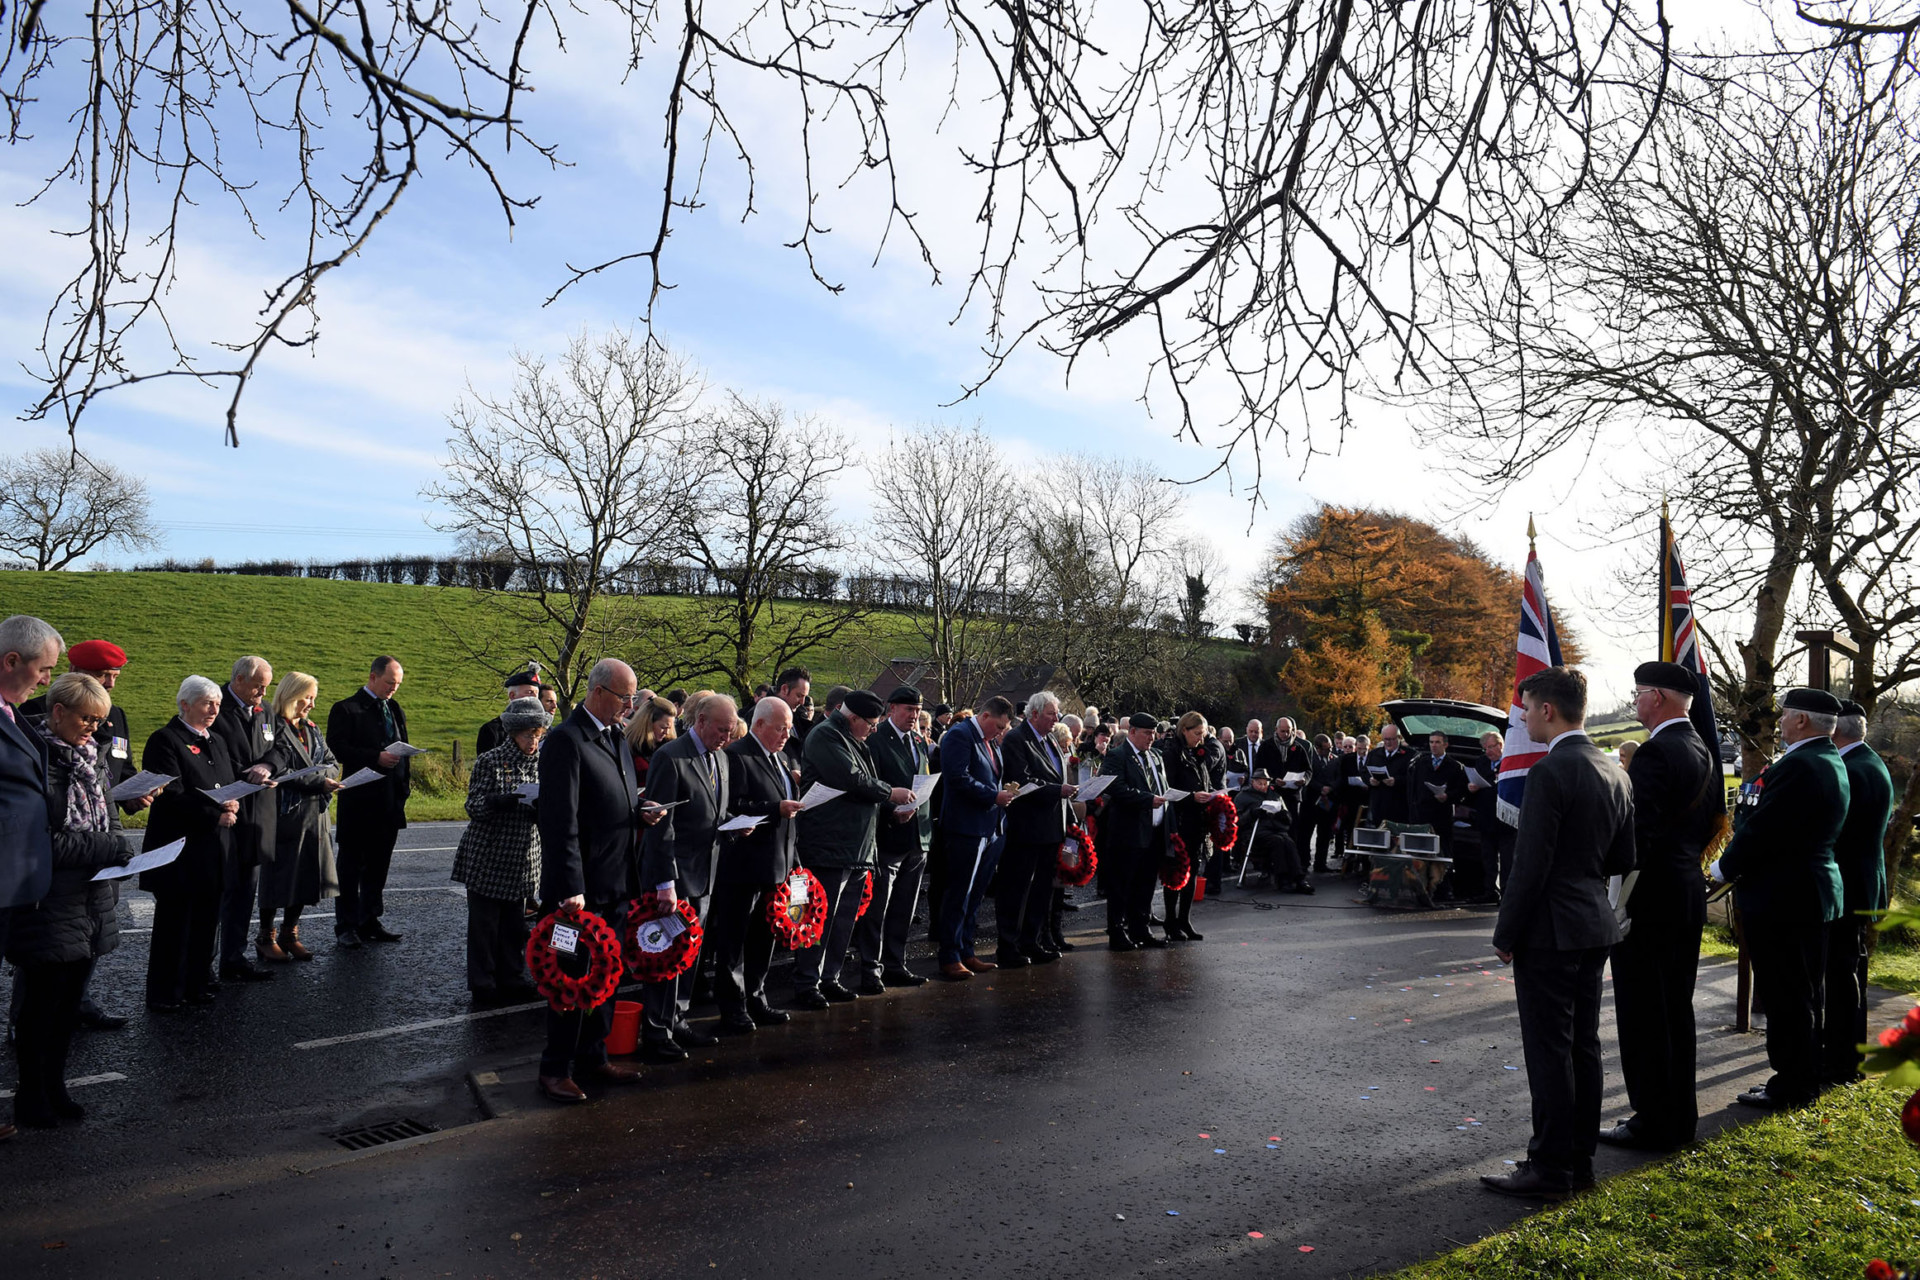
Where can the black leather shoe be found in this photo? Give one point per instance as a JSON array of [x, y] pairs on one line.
[[164, 1006], [808, 999], [836, 993], [693, 1038], [1119, 942], [766, 1015], [200, 997], [1042, 954], [1148, 940], [1062, 946], [1186, 931], [97, 1020], [1629, 1136], [377, 932], [662, 1052], [244, 970], [871, 986], [350, 939], [1528, 1183], [1011, 959], [903, 978], [1766, 1100], [737, 1024]]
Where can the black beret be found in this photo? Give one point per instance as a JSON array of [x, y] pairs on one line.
[[1666, 675], [1141, 720], [943, 709], [529, 676], [1818, 701], [1848, 707], [865, 705], [905, 693]]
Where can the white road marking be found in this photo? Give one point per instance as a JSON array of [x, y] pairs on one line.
[[458, 1018], [106, 1077]]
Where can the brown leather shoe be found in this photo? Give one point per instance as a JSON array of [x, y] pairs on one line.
[[955, 972], [561, 1089], [612, 1073], [6, 1131], [291, 944], [268, 950], [978, 965]]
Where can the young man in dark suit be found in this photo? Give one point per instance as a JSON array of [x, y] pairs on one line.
[[372, 815], [1036, 824], [752, 865], [901, 840], [1787, 888], [1134, 834], [679, 857], [1555, 926], [1861, 855], [588, 811], [1679, 804]]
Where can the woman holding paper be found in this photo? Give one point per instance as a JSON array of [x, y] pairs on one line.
[[186, 891], [303, 872], [54, 942], [1191, 768], [499, 855]]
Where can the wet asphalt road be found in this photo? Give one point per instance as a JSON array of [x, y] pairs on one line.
[[1327, 1075]]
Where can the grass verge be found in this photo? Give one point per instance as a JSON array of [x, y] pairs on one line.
[[1813, 1195]]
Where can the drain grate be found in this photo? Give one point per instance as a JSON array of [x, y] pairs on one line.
[[375, 1135]]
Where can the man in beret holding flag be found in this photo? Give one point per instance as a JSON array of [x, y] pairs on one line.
[[1788, 889], [1860, 853], [1679, 802]]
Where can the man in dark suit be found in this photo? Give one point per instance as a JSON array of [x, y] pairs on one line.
[[1860, 852], [1435, 783], [1287, 755], [521, 684], [372, 815], [1133, 836], [680, 855], [29, 651], [1787, 888], [901, 838], [794, 686], [974, 798], [1679, 804], [1036, 824], [247, 728], [752, 865], [1387, 766], [588, 815], [1555, 926]]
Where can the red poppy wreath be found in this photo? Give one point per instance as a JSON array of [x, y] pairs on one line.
[[567, 992], [1077, 861], [660, 942], [798, 918], [1178, 867]]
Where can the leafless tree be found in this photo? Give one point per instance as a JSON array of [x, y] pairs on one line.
[[565, 480], [1742, 309], [940, 498], [754, 513], [57, 506]]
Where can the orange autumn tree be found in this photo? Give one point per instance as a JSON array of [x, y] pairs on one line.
[[1363, 606]]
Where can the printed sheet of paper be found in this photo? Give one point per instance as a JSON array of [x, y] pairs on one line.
[[140, 784], [818, 794], [362, 778], [1377, 770], [1293, 780], [745, 822], [1174, 793], [1092, 787], [528, 791], [307, 772], [232, 791], [404, 749], [1272, 806], [1029, 788], [144, 861]]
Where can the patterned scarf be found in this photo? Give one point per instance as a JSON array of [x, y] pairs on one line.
[[86, 803]]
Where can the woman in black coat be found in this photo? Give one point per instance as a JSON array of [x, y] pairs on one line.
[[186, 892], [1190, 767], [54, 942], [304, 871]]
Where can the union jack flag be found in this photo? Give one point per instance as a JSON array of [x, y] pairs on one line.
[[1680, 638], [1539, 648]]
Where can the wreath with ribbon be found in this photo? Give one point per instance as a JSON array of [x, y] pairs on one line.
[[1178, 867], [1224, 819], [567, 992], [798, 926], [866, 896], [1076, 862], [652, 949]]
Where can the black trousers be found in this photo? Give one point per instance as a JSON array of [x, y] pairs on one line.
[[238, 892], [1311, 819], [880, 936], [366, 854], [1558, 993], [1023, 887], [577, 1040], [49, 1011], [741, 942], [1789, 975], [664, 1005], [1654, 968], [180, 954], [1844, 1026], [1131, 875], [496, 943]]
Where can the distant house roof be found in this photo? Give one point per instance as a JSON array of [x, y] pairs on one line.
[[1016, 682]]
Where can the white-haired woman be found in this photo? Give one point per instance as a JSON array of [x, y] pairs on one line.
[[303, 872], [186, 892]]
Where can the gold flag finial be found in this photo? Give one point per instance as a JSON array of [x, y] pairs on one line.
[[1531, 535]]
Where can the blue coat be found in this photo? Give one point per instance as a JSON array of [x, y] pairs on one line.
[[967, 784], [26, 842]]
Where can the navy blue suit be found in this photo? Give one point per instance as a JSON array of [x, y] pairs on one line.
[[26, 843], [971, 826]]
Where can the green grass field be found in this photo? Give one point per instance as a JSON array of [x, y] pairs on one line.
[[176, 624]]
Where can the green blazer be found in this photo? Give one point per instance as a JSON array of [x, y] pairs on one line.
[[1784, 829], [1861, 848], [839, 833]]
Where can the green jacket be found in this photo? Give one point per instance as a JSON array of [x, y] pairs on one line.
[[839, 833], [1784, 828], [1861, 848]]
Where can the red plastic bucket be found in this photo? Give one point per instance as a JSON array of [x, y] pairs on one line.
[[625, 1036]]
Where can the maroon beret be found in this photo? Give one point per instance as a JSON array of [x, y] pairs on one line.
[[96, 655]]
